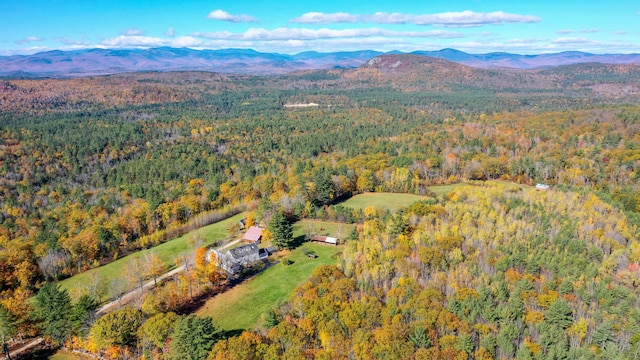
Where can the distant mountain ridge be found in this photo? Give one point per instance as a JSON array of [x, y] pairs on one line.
[[88, 62]]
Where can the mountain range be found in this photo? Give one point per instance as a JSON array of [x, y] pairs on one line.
[[244, 61]]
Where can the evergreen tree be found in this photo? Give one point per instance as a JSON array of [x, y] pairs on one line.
[[602, 335], [52, 309], [83, 314], [523, 353], [281, 230], [193, 338], [559, 314], [419, 337]]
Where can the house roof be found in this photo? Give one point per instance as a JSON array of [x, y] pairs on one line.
[[253, 234], [331, 240], [244, 250]]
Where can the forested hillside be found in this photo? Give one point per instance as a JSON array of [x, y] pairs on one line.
[[96, 168]]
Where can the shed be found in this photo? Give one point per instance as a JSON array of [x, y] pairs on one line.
[[324, 239], [253, 235], [540, 187]]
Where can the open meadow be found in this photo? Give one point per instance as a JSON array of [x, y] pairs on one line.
[[381, 201], [393, 201]]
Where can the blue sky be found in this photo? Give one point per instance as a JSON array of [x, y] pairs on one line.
[[477, 26]]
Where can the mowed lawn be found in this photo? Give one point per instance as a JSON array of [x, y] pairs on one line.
[[167, 252], [393, 201], [382, 201], [242, 306], [443, 189]]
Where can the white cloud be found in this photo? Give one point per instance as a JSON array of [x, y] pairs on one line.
[[451, 19], [132, 32], [312, 34], [124, 40], [583, 31], [25, 51], [333, 45], [545, 46], [72, 42], [525, 41], [620, 32], [148, 41], [323, 18], [28, 39], [185, 41], [225, 16], [571, 40], [216, 35], [171, 32]]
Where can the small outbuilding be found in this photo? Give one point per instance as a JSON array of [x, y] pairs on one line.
[[324, 239], [253, 235], [542, 187]]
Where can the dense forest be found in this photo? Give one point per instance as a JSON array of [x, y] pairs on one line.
[[97, 168]]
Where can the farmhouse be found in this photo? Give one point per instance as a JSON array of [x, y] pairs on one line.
[[233, 260], [324, 239], [253, 235]]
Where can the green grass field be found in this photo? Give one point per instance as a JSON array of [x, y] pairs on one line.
[[167, 252], [443, 189], [382, 201], [393, 201], [320, 227], [242, 306]]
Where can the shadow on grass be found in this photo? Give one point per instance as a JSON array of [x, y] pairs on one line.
[[225, 334], [232, 281], [298, 241], [41, 353]]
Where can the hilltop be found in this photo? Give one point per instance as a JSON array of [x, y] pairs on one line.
[[425, 77]]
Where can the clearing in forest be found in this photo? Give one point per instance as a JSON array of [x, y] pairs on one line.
[[382, 201], [242, 306], [393, 201]]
